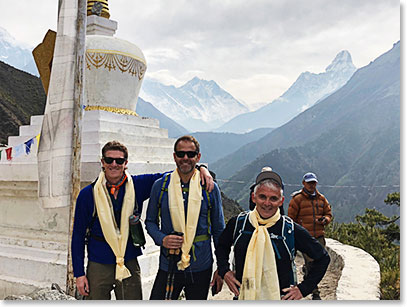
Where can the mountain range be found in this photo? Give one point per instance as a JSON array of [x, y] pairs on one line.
[[198, 105], [350, 139], [308, 89], [16, 54]]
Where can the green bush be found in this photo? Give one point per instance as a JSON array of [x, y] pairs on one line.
[[379, 236]]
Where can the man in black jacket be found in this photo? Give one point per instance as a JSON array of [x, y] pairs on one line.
[[263, 267]]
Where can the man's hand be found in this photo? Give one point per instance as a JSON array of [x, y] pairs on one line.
[[217, 280], [207, 179], [232, 282], [173, 241], [82, 285], [322, 220], [293, 293]]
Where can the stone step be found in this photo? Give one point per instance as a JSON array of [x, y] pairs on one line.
[[19, 286], [34, 264], [89, 137], [123, 128], [139, 153], [34, 243], [17, 140], [29, 131], [36, 120], [105, 116]]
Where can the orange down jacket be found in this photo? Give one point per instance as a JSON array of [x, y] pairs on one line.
[[305, 210]]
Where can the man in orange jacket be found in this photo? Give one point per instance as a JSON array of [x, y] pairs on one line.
[[310, 209]]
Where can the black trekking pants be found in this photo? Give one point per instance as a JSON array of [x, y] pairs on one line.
[[195, 285]]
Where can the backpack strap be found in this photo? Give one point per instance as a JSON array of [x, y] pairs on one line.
[[240, 225], [164, 188], [94, 216], [210, 201], [289, 243]]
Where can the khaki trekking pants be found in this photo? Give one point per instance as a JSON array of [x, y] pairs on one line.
[[101, 278]]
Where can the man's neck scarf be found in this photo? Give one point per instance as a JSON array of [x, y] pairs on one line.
[[260, 278], [115, 187], [177, 212], [115, 237]]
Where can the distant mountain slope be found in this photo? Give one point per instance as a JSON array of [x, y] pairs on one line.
[[16, 54], [306, 90], [357, 100], [199, 105], [215, 145], [354, 147], [21, 96], [146, 109]]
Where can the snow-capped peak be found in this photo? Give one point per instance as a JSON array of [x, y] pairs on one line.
[[342, 61], [197, 105]]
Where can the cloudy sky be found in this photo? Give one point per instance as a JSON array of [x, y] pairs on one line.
[[253, 49]]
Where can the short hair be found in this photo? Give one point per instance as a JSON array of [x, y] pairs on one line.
[[270, 184], [115, 145], [188, 138]]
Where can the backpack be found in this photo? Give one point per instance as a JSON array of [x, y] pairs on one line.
[[287, 238], [208, 199]]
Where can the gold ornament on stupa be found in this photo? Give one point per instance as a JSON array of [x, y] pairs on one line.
[[100, 8]]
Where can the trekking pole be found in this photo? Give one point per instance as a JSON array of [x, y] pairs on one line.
[[173, 257], [173, 253]]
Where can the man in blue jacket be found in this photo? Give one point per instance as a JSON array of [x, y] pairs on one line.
[[101, 219], [183, 207]]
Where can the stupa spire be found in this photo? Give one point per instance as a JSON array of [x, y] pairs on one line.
[[99, 8]]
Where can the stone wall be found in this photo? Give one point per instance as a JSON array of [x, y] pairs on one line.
[[360, 279]]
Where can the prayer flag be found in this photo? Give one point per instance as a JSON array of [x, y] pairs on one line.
[[28, 145], [38, 138], [8, 152], [0, 154], [18, 150]]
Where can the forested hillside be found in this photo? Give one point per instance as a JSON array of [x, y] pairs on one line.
[[21, 96]]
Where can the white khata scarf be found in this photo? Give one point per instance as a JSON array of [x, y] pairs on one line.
[[176, 206], [260, 278], [115, 237]]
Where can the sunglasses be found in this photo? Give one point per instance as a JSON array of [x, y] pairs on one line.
[[110, 160], [181, 154]]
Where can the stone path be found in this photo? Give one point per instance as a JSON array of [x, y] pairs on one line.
[[327, 286]]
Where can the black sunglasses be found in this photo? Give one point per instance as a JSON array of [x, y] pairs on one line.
[[181, 154], [110, 160]]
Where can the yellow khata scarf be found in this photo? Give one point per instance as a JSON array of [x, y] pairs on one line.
[[117, 239], [260, 278], [176, 206]]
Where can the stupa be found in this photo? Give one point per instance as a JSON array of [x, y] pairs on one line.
[[34, 236]]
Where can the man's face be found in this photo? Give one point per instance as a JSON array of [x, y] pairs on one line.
[[185, 164], [310, 186], [267, 201], [113, 171]]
